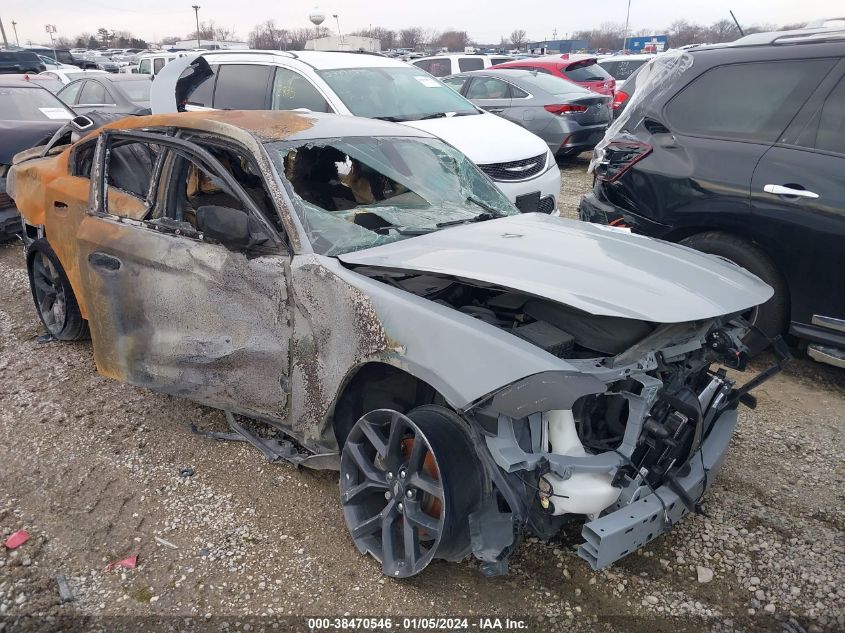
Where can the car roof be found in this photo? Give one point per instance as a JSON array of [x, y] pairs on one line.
[[514, 75], [452, 55], [22, 81], [273, 125], [319, 60], [120, 77], [623, 58], [551, 61]]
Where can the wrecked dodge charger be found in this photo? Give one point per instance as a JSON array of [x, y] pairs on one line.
[[472, 372]]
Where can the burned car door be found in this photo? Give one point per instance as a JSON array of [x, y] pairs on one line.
[[184, 275]]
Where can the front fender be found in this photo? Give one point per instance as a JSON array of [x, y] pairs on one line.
[[463, 358]]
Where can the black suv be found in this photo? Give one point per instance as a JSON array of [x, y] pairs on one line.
[[20, 62], [739, 150]]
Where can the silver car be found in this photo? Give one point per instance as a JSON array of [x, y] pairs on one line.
[[364, 291], [570, 118]]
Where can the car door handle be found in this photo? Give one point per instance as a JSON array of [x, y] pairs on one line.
[[495, 110], [780, 190], [104, 262]]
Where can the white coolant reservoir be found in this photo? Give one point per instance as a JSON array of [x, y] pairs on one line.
[[582, 493]]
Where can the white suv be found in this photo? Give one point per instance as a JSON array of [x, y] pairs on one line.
[[370, 86], [452, 64]]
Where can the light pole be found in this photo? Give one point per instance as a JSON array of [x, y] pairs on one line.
[[15, 27], [627, 16], [196, 9], [334, 15]]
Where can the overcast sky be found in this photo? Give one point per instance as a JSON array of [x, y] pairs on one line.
[[485, 20]]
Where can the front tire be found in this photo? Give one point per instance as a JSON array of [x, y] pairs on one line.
[[53, 295], [407, 486], [770, 318]]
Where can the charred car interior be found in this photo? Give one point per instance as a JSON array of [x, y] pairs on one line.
[[366, 291]]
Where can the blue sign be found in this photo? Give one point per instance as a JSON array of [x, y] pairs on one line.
[[648, 44]]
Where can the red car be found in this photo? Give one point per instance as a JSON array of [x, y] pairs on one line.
[[580, 69]]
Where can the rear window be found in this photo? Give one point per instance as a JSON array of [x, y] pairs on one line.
[[588, 70], [136, 90], [466, 64], [242, 87], [752, 101], [439, 67], [31, 104], [551, 84], [623, 68]]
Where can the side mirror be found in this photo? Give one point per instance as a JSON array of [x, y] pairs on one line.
[[228, 226]]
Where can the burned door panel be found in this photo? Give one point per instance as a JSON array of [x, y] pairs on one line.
[[186, 317]]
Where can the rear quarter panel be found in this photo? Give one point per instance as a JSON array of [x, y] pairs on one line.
[[36, 185]]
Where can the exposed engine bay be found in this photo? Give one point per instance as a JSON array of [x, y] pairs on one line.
[[637, 425]]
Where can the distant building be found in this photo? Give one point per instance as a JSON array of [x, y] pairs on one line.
[[648, 44], [550, 47], [211, 45], [344, 43]]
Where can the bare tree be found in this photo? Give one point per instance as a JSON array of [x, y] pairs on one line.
[[386, 37], [170, 39], [518, 37], [411, 37], [453, 40], [721, 31], [609, 35], [210, 32], [682, 32]]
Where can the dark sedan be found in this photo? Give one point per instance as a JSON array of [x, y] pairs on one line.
[[29, 116], [569, 118], [122, 94]]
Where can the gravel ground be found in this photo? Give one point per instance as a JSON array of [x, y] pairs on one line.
[[91, 468]]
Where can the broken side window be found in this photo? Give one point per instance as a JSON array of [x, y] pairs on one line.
[[128, 174], [354, 193]]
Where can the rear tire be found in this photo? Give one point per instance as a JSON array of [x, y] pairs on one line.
[[771, 317], [53, 295]]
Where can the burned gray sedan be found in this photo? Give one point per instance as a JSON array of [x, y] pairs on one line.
[[361, 287]]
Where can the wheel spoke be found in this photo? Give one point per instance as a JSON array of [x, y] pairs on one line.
[[425, 483], [44, 286], [364, 464], [415, 515], [375, 437], [367, 527], [388, 547], [418, 451], [411, 541], [397, 430], [363, 488]]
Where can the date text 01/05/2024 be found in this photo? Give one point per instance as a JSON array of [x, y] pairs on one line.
[[416, 623]]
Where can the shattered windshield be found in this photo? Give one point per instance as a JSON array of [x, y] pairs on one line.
[[395, 93], [354, 193]]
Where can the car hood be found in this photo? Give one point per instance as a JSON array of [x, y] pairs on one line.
[[597, 269], [484, 138]]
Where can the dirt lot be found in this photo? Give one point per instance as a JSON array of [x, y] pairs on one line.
[[91, 468]]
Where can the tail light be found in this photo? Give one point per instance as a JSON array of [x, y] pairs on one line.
[[565, 108], [619, 157], [619, 98]]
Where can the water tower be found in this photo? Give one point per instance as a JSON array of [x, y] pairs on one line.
[[317, 17]]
